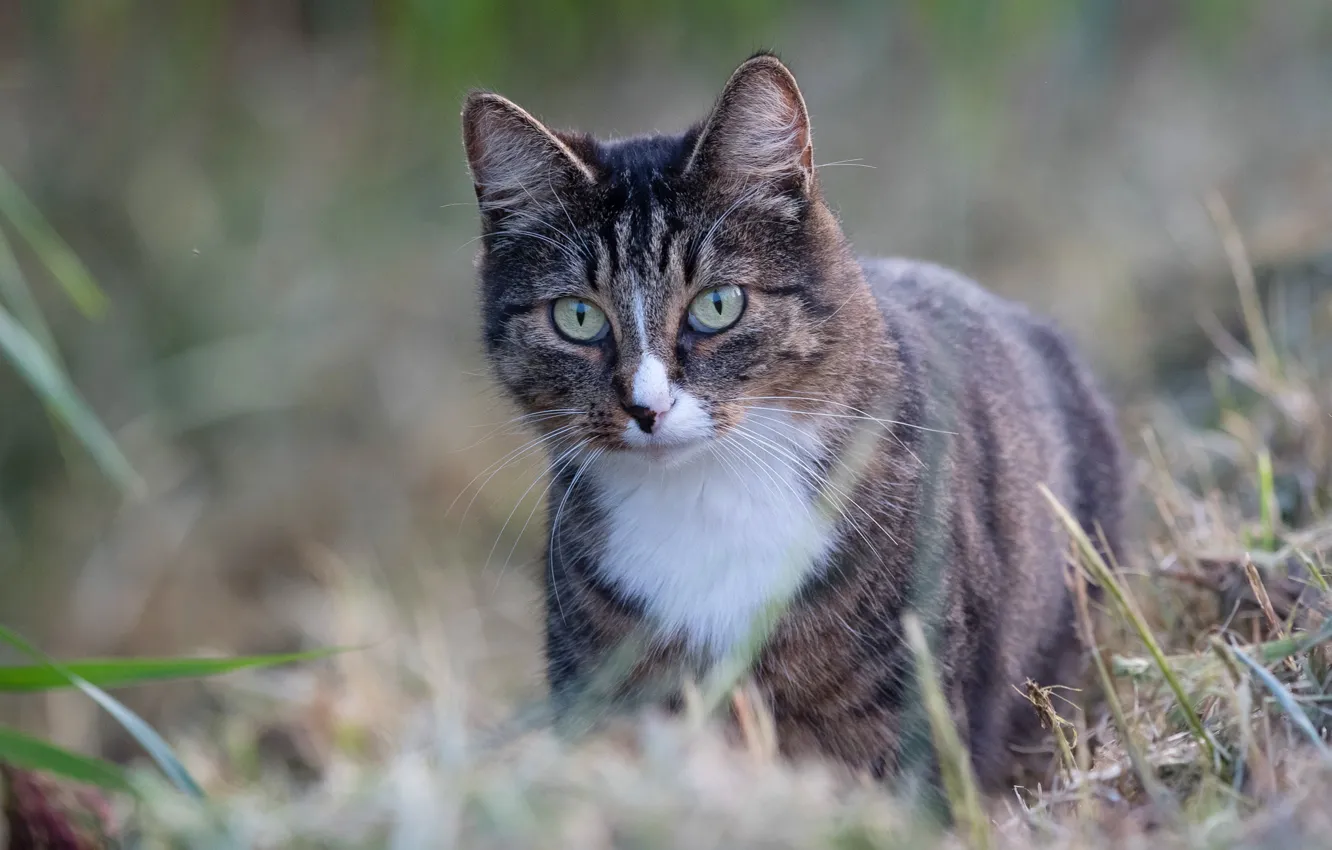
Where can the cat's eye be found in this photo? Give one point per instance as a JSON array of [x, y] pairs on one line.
[[578, 320], [716, 309]]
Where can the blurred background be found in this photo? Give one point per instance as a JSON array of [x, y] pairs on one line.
[[272, 195]]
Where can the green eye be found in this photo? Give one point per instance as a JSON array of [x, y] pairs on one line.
[[578, 320], [716, 309]]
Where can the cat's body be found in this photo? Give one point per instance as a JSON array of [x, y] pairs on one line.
[[703, 473]]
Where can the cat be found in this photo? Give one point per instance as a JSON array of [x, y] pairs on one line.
[[749, 424]]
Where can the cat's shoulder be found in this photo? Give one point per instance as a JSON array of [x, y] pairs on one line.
[[910, 283], [926, 305]]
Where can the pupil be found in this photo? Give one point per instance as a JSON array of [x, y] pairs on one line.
[[580, 312], [717, 302]]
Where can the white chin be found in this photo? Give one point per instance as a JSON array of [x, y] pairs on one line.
[[668, 454]]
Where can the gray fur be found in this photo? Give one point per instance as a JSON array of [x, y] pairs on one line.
[[978, 402]]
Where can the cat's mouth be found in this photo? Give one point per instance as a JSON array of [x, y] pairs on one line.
[[673, 452], [666, 450], [672, 436]]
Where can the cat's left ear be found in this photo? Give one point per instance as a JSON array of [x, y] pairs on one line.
[[759, 130], [516, 161]]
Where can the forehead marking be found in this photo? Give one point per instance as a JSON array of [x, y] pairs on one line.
[[640, 316]]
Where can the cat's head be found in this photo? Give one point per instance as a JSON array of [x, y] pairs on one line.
[[648, 292]]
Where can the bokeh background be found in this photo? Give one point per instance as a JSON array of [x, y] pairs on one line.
[[273, 196]]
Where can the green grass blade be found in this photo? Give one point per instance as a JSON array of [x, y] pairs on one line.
[[1315, 574], [1286, 700], [36, 366], [1105, 578], [17, 296], [54, 253], [156, 748], [1267, 501], [954, 761], [123, 672], [30, 753]]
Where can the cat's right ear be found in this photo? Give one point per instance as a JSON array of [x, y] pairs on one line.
[[758, 133], [515, 160]]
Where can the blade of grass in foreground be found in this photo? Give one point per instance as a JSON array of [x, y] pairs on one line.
[[156, 748], [57, 256], [17, 296], [30, 753], [1101, 574], [1285, 699], [1267, 501], [954, 762], [1128, 736], [122, 672], [40, 371]]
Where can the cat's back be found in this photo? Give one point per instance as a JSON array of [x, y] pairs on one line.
[[945, 316], [989, 351], [944, 304]]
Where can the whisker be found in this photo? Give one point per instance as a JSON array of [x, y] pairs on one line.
[[826, 482], [553, 476], [547, 224], [564, 249], [862, 414], [863, 418], [816, 480], [573, 228], [525, 419], [528, 416], [555, 540], [554, 465], [774, 425], [778, 484], [804, 498], [852, 162], [752, 195], [501, 464], [828, 318]]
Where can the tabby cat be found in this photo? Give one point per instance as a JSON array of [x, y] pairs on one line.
[[743, 417]]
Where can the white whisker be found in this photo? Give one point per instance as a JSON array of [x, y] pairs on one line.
[[573, 228], [862, 414], [555, 465], [771, 448], [513, 425], [499, 465], [553, 228], [853, 162], [825, 482], [564, 249], [554, 541]]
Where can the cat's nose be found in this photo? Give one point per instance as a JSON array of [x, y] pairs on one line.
[[646, 417], [650, 395]]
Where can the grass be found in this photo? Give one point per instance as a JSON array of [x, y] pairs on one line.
[[1209, 697], [1207, 724], [1204, 732]]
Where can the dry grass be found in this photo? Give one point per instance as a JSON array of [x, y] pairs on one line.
[[1213, 647]]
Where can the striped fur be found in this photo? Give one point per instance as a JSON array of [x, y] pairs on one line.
[[686, 477]]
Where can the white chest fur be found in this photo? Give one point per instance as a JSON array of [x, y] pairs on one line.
[[707, 544]]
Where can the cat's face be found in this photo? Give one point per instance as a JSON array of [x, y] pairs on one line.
[[643, 295]]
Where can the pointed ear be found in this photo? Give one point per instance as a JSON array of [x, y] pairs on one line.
[[759, 130], [516, 162]]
